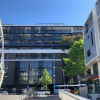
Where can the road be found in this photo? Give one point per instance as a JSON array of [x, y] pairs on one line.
[[42, 97]]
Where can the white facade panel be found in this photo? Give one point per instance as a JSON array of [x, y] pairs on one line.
[[35, 51]]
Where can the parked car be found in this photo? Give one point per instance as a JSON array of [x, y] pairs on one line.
[[3, 93], [43, 92], [13, 93]]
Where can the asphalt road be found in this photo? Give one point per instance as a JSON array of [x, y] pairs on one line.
[[42, 97]]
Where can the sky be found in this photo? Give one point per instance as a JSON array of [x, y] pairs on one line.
[[32, 12]]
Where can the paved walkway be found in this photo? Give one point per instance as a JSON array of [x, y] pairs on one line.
[[44, 97], [9, 97]]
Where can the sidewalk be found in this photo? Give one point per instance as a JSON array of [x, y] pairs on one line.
[[44, 97], [9, 97]]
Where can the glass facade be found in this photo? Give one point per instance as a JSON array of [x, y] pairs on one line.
[[56, 36], [97, 86], [34, 64], [95, 68], [29, 72], [53, 63], [33, 56], [47, 64], [54, 80], [6, 68], [53, 71], [23, 72]]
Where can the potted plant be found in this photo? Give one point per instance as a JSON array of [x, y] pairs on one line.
[[89, 83]]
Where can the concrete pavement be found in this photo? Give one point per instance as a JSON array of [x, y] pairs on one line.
[[42, 97], [45, 97], [9, 97]]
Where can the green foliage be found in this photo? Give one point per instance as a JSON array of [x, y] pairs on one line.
[[89, 81], [69, 40], [75, 64], [45, 79]]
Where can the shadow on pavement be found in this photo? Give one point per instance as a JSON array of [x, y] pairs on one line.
[[45, 97]]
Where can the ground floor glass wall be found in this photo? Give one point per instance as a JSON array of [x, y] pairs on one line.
[[29, 72]]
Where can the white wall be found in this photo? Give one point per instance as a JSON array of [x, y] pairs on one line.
[[69, 96]]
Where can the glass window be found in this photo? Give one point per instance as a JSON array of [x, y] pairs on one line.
[[24, 64], [95, 68], [92, 38], [33, 64], [6, 72], [56, 36], [88, 53], [6, 65], [49, 71], [53, 56], [53, 71], [20, 29], [6, 42], [7, 57], [47, 64], [53, 63]]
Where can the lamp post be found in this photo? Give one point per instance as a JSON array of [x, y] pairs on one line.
[[79, 79], [64, 78]]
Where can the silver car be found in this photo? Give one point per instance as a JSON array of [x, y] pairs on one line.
[[3, 93], [43, 92]]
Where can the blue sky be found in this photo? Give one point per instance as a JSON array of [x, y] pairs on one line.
[[31, 12]]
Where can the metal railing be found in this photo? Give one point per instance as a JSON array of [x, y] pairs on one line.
[[29, 95], [22, 96]]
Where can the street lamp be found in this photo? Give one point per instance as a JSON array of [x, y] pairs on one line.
[[79, 79], [64, 78]]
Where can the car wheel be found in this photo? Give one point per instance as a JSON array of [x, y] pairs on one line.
[[46, 93]]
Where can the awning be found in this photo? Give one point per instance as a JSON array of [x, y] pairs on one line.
[[85, 78]]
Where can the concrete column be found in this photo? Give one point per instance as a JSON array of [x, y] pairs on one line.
[[93, 87], [91, 70], [1, 76]]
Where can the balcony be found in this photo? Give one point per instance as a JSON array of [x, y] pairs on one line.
[[47, 38], [18, 42], [37, 38], [47, 42], [37, 42], [24, 36]]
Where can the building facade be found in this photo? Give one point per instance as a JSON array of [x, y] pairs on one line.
[[31, 49], [91, 38]]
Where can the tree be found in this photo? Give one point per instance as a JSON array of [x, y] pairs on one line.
[[45, 79], [69, 40], [75, 64], [89, 81]]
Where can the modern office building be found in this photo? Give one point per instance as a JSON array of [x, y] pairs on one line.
[[91, 38], [31, 49]]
